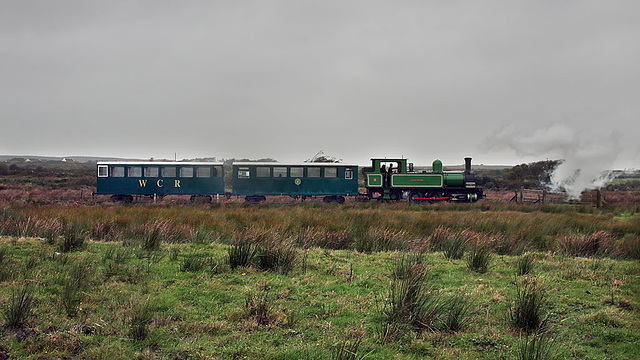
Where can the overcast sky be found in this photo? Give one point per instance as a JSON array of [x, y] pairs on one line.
[[285, 79]]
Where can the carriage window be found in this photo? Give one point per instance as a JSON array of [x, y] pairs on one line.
[[279, 171], [313, 172], [151, 172], [348, 173], [217, 171], [243, 173], [135, 171], [297, 172], [186, 172], [169, 171], [103, 171], [203, 172], [117, 171], [330, 172], [263, 171]]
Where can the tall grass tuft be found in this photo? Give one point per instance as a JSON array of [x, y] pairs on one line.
[[154, 234], [410, 304], [524, 264], [74, 284], [598, 244], [141, 315], [348, 350], [455, 245], [258, 306], [276, 256], [18, 309], [455, 313], [479, 259], [240, 254], [72, 237], [538, 346], [525, 312]]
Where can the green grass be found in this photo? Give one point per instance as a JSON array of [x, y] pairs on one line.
[[183, 298]]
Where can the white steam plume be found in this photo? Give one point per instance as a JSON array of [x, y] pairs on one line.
[[585, 162]]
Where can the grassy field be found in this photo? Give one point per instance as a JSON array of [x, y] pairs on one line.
[[314, 281]]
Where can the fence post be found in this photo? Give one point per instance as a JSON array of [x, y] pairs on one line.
[[598, 198], [544, 196]]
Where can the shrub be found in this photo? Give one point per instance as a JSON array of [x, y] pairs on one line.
[[525, 312], [524, 264], [18, 309], [194, 262], [479, 259]]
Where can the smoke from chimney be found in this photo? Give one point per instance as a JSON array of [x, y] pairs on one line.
[[585, 162]]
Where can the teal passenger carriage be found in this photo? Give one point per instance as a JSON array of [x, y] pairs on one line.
[[332, 181], [123, 180]]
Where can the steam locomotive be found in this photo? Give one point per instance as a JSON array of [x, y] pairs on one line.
[[386, 179]]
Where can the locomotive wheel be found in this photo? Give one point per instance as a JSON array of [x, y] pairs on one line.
[[340, 199], [394, 195], [328, 199], [416, 194], [432, 195]]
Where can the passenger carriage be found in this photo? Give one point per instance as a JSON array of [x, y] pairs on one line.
[[124, 180], [332, 181]]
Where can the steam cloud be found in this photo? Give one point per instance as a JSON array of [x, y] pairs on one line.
[[585, 162]]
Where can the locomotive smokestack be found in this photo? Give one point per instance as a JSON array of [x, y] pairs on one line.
[[467, 165]]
